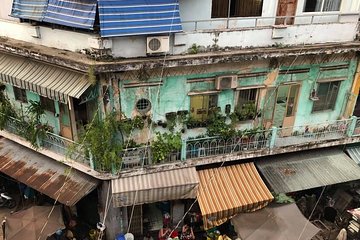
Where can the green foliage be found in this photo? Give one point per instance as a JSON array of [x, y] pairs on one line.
[[194, 49], [91, 75], [127, 125], [171, 119], [218, 127], [101, 141], [164, 144], [30, 126], [246, 112], [6, 109]]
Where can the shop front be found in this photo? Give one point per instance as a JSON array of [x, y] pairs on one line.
[[150, 200]]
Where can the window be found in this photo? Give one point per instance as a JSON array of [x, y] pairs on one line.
[[246, 104], [201, 106], [322, 5], [143, 105], [20, 94], [327, 93], [47, 104], [238, 8]]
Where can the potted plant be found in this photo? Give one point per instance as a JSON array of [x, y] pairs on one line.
[[164, 145]]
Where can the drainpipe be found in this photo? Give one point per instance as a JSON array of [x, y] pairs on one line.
[[183, 149], [228, 15], [273, 137], [352, 125]]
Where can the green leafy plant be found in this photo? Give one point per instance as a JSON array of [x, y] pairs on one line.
[[194, 49], [127, 125], [246, 111], [102, 143], [171, 120], [30, 126], [6, 109], [218, 127], [164, 144]]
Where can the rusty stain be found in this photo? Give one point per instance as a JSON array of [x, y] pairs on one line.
[[43, 174]]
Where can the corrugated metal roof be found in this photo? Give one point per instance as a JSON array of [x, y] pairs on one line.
[[354, 153], [155, 187], [224, 192], [46, 80], [304, 170], [44, 174]]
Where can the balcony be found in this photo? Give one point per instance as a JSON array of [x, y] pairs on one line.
[[203, 150], [266, 31]]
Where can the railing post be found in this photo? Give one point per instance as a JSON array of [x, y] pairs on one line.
[[91, 160], [273, 137], [183, 149], [351, 127]]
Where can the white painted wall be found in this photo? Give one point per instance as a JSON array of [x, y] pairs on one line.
[[241, 34], [293, 35], [61, 39], [5, 10]]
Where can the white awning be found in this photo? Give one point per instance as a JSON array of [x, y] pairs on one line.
[[47, 80], [155, 187]]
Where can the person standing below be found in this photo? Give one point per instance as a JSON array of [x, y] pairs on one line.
[[187, 233], [164, 233]]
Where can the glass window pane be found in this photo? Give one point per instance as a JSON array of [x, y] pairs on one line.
[[312, 6], [331, 5]]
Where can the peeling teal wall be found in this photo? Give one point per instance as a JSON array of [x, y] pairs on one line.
[[48, 118], [173, 96]]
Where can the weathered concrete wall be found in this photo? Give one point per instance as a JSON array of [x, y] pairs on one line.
[[173, 94], [56, 38]]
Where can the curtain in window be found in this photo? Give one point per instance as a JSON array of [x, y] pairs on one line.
[[246, 8], [219, 8], [331, 5], [313, 6]]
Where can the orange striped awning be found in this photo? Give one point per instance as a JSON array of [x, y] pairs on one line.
[[224, 192]]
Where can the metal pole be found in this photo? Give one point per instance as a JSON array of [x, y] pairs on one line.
[[228, 15]]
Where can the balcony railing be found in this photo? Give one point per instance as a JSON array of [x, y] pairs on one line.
[[206, 147], [260, 22]]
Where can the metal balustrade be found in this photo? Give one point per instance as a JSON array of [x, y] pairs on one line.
[[205, 147], [312, 133], [233, 23]]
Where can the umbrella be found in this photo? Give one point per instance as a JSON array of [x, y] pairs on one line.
[[30, 223], [275, 222]]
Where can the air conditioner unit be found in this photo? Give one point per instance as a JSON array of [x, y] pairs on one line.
[[158, 44], [226, 82]]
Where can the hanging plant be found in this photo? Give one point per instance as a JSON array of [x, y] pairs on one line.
[[171, 120]]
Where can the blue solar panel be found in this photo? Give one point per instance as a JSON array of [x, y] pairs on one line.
[[29, 9], [72, 13], [138, 17]]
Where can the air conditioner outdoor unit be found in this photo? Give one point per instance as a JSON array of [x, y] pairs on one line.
[[158, 44], [226, 82]]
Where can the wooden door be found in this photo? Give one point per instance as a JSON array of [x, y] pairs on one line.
[[65, 122], [290, 111], [286, 8]]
